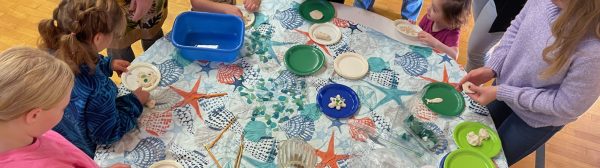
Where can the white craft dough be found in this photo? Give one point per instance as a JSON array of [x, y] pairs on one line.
[[146, 79], [434, 100], [316, 14], [467, 87], [322, 36], [483, 134], [473, 139], [337, 102]]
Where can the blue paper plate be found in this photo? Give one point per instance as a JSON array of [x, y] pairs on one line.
[[332, 90]]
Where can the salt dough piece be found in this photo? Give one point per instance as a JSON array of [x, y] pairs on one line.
[[434, 100], [316, 14], [151, 104], [337, 102], [322, 36], [467, 87], [484, 134], [146, 79], [473, 139]]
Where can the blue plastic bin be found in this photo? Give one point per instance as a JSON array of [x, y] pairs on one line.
[[201, 28]]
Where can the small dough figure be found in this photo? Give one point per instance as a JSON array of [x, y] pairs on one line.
[[322, 36], [316, 14], [467, 87], [484, 134], [473, 139], [337, 102], [146, 79], [434, 100]]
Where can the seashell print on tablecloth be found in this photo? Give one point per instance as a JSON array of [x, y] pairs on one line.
[[188, 158], [300, 127], [412, 63], [146, 152], [264, 150], [156, 123], [170, 72], [290, 18], [227, 74]]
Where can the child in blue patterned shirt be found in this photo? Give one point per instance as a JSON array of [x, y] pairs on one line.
[[76, 33]]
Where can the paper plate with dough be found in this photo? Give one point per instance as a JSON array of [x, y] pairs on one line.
[[351, 65], [407, 29], [143, 75], [325, 33], [166, 164], [489, 147]]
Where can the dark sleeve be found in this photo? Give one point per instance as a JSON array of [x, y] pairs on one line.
[[507, 10], [109, 117], [105, 65]]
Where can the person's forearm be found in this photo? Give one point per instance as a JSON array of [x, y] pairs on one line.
[[207, 6], [451, 51]]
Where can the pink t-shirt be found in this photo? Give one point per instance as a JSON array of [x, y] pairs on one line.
[[49, 150], [446, 36]]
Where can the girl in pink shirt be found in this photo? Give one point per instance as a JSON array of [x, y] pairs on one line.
[[441, 25], [35, 88]]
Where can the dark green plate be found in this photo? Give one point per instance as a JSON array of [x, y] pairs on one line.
[[304, 59], [321, 5], [453, 103]]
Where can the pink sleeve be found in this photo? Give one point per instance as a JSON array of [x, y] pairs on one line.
[[452, 38]]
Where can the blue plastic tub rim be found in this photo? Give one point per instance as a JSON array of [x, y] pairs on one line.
[[172, 39]]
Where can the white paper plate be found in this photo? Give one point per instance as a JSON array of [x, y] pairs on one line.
[[407, 29], [130, 78], [351, 65], [327, 28], [166, 164]]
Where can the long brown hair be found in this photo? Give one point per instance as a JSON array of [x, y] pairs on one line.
[[73, 26], [578, 20]]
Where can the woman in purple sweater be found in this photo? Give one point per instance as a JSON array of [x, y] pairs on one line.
[[546, 70]]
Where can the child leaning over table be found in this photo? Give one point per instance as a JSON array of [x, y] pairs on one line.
[[36, 88], [441, 25], [78, 30]]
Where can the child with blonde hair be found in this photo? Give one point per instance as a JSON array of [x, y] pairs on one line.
[[78, 30], [36, 88], [546, 70]]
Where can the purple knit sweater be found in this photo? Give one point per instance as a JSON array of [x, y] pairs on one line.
[[518, 64]]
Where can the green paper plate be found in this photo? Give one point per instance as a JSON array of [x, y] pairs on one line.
[[304, 59], [321, 5], [490, 147], [453, 102], [467, 158]]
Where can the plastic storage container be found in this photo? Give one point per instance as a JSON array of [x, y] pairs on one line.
[[191, 29]]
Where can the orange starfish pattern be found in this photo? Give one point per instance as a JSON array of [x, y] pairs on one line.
[[311, 41], [444, 78], [329, 158], [192, 98]]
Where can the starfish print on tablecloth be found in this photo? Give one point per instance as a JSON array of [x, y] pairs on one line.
[[192, 97], [391, 94], [446, 58], [206, 68], [238, 83], [353, 26], [311, 41], [444, 78], [336, 123], [329, 158]]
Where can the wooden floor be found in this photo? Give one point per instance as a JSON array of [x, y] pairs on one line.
[[576, 145]]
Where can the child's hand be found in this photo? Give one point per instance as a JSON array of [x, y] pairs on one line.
[[412, 21], [232, 10], [140, 8], [120, 165], [252, 5], [483, 95], [143, 96], [477, 76], [120, 66], [428, 39]]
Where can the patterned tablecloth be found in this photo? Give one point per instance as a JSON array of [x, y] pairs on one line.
[[272, 105]]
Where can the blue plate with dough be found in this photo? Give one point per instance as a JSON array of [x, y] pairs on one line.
[[345, 92]]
